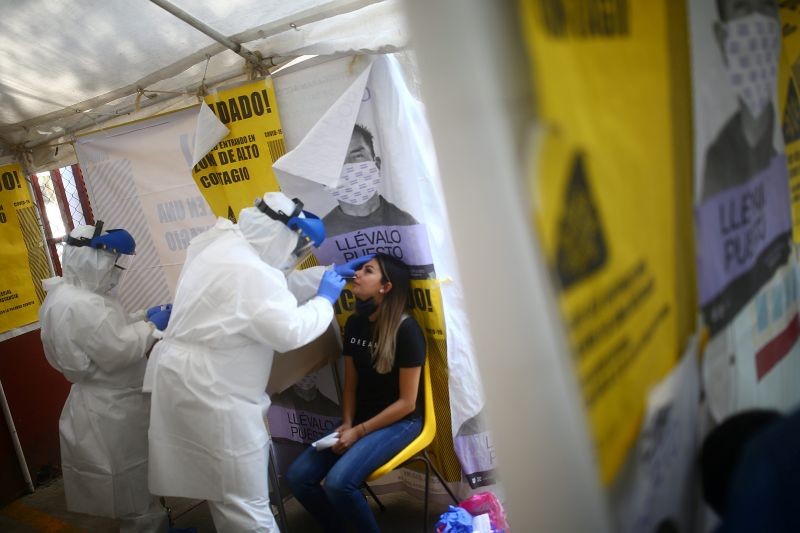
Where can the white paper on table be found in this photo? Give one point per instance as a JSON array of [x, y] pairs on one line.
[[481, 524]]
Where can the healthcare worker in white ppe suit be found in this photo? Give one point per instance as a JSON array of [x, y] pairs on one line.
[[238, 299], [96, 345]]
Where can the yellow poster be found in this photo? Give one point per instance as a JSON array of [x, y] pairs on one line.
[[789, 103], [611, 82], [239, 169], [22, 259]]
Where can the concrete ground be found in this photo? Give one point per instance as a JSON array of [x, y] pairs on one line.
[[45, 511]]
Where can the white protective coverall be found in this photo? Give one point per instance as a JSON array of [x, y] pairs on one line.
[[209, 373], [97, 346]]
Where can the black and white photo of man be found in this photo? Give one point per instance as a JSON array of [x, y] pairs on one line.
[[748, 33], [360, 205]]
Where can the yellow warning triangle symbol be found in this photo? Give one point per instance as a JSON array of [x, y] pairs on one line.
[[582, 248], [791, 115]]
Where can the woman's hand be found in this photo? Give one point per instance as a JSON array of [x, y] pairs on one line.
[[347, 438]]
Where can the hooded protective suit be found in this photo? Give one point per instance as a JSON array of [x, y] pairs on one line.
[[209, 374], [89, 338]]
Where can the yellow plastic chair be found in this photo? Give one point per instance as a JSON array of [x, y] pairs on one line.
[[417, 450]]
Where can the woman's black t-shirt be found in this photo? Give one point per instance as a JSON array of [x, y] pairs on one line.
[[376, 391]]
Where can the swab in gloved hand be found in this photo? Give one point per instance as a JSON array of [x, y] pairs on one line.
[[331, 286]]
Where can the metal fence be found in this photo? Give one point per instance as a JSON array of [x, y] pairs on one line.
[[61, 195]]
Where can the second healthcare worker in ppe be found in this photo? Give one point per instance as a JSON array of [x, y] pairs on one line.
[[89, 338], [238, 299]]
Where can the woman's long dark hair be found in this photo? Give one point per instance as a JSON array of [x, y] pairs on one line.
[[390, 312]]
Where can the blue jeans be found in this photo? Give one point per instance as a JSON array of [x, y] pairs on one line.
[[341, 496]]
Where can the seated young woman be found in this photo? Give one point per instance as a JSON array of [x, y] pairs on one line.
[[384, 351]]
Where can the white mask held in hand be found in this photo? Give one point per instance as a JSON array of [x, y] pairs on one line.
[[752, 46], [357, 183]]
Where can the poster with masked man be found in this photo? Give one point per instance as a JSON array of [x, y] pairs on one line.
[[351, 172], [301, 414], [360, 156], [747, 278]]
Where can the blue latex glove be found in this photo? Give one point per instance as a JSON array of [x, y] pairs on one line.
[[455, 520], [331, 286], [348, 270], [155, 309], [161, 318]]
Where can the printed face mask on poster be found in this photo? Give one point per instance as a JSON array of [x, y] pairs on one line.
[[752, 47], [358, 183]]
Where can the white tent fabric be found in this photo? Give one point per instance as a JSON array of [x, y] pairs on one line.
[[72, 67]]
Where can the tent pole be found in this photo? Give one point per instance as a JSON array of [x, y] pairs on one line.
[[303, 17], [251, 57], [15, 438]]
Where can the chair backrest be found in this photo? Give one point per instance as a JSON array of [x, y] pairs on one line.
[[429, 421], [425, 436]]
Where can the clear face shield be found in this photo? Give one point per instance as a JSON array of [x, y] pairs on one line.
[[123, 261], [301, 252], [121, 264], [114, 274]]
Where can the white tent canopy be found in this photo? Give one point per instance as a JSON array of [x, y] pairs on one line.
[[70, 67]]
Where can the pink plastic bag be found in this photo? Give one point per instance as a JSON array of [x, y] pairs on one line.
[[486, 502]]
